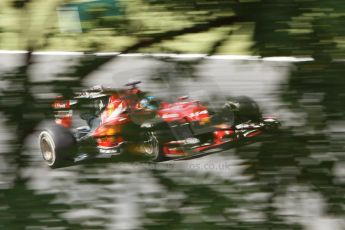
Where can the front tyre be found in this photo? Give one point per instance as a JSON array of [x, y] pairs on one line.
[[57, 145], [271, 125], [241, 109]]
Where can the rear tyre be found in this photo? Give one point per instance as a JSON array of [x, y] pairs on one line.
[[57, 145]]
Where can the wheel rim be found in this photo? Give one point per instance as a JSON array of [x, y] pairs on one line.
[[150, 146], [47, 149]]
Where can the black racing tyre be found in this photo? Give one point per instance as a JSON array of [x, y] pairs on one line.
[[152, 147], [271, 125], [241, 109], [57, 145]]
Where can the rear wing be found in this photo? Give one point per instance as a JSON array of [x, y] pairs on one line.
[[96, 92], [63, 111], [62, 107]]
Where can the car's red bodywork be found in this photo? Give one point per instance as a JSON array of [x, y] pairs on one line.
[[184, 111]]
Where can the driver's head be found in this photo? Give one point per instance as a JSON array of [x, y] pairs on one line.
[[150, 103]]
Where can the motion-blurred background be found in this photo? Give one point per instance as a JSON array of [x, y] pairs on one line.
[[288, 55]]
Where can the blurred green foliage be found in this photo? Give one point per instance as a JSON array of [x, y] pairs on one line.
[[307, 154]]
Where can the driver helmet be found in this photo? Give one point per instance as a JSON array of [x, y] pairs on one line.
[[149, 103]]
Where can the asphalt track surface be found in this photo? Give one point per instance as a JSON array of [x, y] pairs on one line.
[[129, 187]]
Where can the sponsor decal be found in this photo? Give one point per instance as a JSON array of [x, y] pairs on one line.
[[196, 114]]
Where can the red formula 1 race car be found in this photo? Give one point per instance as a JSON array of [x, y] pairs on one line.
[[128, 122]]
